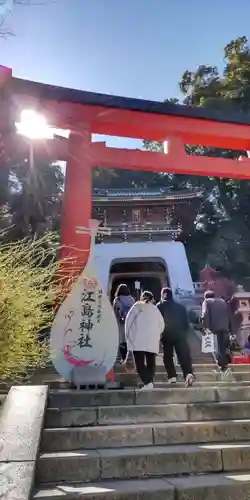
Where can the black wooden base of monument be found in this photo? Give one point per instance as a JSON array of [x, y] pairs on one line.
[[96, 387], [91, 379], [88, 387]]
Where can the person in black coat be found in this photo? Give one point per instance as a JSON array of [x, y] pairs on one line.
[[174, 337]]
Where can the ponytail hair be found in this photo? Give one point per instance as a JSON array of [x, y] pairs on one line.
[[147, 297]]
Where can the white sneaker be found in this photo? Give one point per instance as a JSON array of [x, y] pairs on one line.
[[148, 387], [189, 380], [226, 373], [172, 380]]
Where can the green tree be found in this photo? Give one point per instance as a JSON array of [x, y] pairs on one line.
[[31, 199], [222, 229]]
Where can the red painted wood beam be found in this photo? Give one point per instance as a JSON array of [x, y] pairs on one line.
[[159, 128], [173, 162], [139, 125], [5, 75]]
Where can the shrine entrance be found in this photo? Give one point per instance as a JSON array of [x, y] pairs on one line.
[[138, 274], [41, 112]]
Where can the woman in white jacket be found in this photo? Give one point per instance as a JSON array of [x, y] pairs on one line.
[[143, 327]]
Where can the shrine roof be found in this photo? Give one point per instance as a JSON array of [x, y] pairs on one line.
[[56, 93], [159, 194]]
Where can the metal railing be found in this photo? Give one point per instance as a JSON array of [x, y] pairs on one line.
[[143, 228]]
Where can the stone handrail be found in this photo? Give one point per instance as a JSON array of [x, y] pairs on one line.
[[21, 424]]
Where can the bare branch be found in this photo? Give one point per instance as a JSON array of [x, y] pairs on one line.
[[34, 2], [5, 31]]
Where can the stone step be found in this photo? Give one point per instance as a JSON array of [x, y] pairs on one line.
[[49, 369], [220, 486], [221, 383], [196, 367], [212, 376], [137, 489], [50, 374], [134, 383], [55, 381], [125, 463], [140, 414], [134, 435], [78, 398]]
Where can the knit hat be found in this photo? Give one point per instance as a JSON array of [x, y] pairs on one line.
[[167, 293]]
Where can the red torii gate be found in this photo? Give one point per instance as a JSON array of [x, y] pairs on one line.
[[84, 113]]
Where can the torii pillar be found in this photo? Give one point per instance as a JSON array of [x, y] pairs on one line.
[[77, 202]]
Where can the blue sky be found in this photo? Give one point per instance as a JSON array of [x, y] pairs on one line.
[[136, 48]]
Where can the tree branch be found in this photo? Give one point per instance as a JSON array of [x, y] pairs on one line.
[[34, 2], [5, 32]]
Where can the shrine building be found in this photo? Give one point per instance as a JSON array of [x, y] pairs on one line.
[[144, 246]]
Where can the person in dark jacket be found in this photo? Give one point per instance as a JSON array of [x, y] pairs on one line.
[[216, 317], [174, 337]]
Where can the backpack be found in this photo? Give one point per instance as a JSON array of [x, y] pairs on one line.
[[123, 311]]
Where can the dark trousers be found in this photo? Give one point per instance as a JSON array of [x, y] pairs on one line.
[[123, 350], [223, 349], [181, 347], [145, 365]]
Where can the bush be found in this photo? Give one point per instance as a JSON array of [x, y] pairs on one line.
[[28, 291]]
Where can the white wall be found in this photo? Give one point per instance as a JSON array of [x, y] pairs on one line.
[[171, 252]]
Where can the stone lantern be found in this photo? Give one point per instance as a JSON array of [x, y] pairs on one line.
[[240, 304]]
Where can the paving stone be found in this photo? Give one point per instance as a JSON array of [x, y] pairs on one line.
[[174, 395], [54, 440], [211, 376], [151, 461], [142, 414], [220, 383], [81, 398], [220, 410], [201, 432], [239, 376], [71, 417], [146, 489], [198, 368], [16, 480], [209, 367], [72, 466], [236, 457], [233, 394], [212, 487], [21, 421]]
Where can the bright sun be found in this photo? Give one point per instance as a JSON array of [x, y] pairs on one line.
[[34, 126]]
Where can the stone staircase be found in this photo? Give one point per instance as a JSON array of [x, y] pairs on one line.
[[171, 443], [198, 357]]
